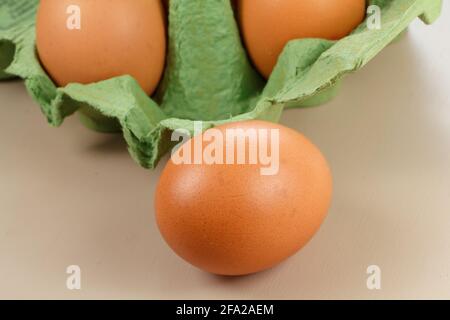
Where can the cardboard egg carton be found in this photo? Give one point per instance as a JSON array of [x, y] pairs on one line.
[[223, 87]]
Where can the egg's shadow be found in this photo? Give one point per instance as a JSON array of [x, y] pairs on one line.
[[107, 143]]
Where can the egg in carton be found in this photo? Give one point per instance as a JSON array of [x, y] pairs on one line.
[[208, 76]]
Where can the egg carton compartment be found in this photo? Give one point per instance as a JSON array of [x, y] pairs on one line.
[[208, 75]]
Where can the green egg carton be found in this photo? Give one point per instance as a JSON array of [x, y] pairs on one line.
[[13, 13], [208, 76]]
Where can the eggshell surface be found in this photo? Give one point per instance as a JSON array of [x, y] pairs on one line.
[[87, 41], [229, 219], [268, 25]]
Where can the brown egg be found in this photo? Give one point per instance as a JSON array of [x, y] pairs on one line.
[[268, 25], [87, 41], [231, 219]]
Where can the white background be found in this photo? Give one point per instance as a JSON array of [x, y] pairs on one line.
[[71, 196]]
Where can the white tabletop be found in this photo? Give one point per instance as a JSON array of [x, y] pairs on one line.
[[70, 196]]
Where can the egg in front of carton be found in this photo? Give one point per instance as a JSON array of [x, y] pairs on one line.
[[229, 212]]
